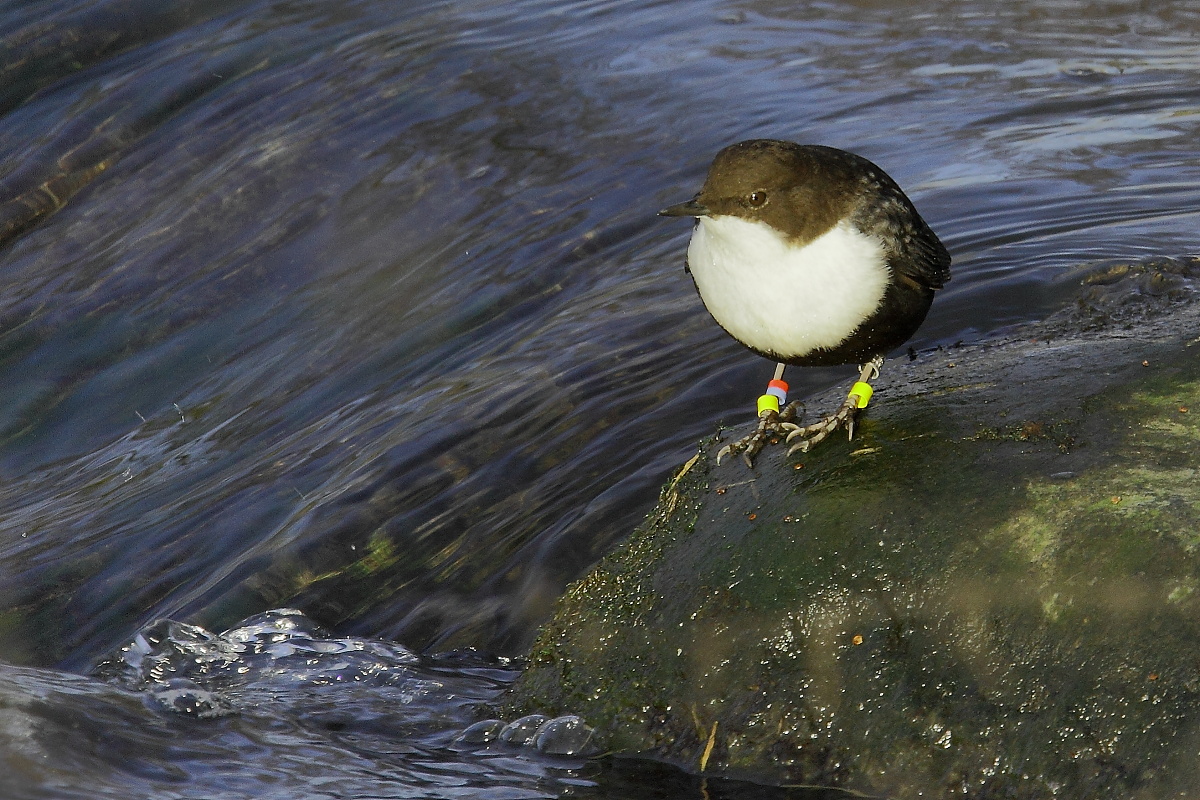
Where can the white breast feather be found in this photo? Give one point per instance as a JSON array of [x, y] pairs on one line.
[[781, 299]]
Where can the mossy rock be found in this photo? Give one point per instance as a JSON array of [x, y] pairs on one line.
[[991, 592]]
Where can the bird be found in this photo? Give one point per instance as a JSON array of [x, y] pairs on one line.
[[809, 256]]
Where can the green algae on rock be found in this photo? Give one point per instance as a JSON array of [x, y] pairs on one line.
[[991, 592]]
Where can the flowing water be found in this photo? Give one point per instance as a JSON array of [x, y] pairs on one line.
[[362, 308]]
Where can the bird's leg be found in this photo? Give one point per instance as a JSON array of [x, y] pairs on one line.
[[773, 422], [860, 394]]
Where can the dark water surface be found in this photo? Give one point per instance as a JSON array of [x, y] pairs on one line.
[[362, 308]]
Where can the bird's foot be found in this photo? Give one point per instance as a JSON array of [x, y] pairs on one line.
[[860, 395], [810, 435], [772, 426]]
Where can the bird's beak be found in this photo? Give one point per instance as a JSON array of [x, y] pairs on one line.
[[689, 209]]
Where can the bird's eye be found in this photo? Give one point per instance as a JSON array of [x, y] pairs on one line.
[[757, 199]]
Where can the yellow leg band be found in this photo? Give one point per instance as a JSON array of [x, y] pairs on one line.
[[768, 402], [862, 390]]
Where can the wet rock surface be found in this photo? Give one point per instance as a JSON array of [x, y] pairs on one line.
[[990, 592]]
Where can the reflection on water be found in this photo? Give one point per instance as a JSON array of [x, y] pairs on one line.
[[364, 309]]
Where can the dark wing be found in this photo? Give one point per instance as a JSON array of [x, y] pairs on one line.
[[913, 249], [924, 258]]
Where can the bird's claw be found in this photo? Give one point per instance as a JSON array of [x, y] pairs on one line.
[[810, 435], [772, 426], [727, 450]]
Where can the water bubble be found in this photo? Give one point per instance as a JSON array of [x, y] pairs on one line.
[[523, 730], [482, 732], [185, 697], [563, 736]]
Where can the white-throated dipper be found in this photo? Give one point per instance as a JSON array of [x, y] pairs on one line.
[[810, 256]]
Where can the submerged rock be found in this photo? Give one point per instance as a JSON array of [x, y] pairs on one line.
[[992, 591]]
